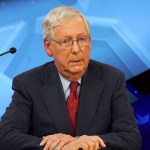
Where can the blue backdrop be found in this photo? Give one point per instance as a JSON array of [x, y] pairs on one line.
[[120, 36]]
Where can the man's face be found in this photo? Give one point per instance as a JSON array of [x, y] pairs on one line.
[[70, 62]]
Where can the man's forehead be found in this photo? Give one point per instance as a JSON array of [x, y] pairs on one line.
[[71, 22], [75, 18]]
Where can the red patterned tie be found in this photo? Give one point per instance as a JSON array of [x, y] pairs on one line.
[[72, 105]]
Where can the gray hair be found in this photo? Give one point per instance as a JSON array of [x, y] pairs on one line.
[[56, 16]]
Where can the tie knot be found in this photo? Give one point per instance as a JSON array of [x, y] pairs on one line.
[[73, 86]]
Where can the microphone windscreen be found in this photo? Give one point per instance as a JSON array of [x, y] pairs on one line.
[[12, 50]]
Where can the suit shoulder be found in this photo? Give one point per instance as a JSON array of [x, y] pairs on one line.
[[105, 68], [33, 73]]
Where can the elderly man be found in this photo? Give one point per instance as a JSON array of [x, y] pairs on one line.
[[72, 102]]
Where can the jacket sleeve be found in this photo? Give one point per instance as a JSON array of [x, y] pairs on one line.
[[15, 124], [124, 133]]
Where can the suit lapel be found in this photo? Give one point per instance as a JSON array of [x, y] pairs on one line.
[[54, 99], [91, 90]]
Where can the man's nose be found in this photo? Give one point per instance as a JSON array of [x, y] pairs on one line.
[[75, 46]]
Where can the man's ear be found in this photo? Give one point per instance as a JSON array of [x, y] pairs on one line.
[[48, 47]]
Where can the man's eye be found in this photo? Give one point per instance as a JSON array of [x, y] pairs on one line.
[[66, 41], [82, 39]]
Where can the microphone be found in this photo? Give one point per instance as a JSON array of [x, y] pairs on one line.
[[11, 50]]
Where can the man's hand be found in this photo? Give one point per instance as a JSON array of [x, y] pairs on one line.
[[56, 140], [67, 142], [75, 145], [85, 143]]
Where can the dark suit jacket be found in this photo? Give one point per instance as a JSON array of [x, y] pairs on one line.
[[38, 108]]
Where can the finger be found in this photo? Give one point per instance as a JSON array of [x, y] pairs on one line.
[[54, 144], [82, 146], [49, 137], [74, 145], [68, 146], [99, 148], [97, 138], [47, 145], [86, 139], [101, 142], [63, 143], [90, 144], [65, 139], [45, 139], [96, 143]]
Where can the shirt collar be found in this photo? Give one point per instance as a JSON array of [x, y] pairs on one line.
[[66, 83]]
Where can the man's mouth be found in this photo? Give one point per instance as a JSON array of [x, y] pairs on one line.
[[76, 62]]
